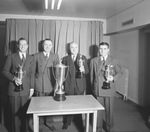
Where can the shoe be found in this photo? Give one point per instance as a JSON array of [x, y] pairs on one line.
[[65, 126]]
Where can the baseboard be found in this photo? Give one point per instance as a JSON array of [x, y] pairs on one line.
[[133, 100]]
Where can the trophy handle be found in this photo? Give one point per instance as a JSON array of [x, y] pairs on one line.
[[67, 73]]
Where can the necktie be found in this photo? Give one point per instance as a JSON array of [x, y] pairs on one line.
[[23, 58], [46, 56], [103, 60]]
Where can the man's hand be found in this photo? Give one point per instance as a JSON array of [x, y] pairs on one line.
[[82, 69], [18, 81], [110, 78]]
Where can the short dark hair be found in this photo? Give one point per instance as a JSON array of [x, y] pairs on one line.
[[21, 40], [104, 43], [47, 39]]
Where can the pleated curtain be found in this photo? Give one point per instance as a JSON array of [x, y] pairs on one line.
[[61, 32]]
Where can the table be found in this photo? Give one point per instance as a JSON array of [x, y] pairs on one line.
[[74, 104]]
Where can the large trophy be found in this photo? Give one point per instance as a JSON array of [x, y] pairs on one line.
[[80, 63], [20, 74], [60, 73], [107, 71]]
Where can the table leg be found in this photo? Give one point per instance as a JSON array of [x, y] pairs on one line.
[[94, 120], [87, 122], [36, 122]]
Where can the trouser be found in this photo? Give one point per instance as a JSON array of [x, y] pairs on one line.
[[18, 108], [105, 118]]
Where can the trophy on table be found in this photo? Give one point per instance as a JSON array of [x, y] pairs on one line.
[[20, 73], [80, 63], [60, 72], [107, 71]]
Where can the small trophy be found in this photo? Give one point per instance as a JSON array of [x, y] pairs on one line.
[[60, 73], [20, 74], [80, 63], [108, 71]]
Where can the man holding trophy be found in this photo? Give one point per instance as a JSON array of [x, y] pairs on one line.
[[104, 71], [75, 83], [19, 70]]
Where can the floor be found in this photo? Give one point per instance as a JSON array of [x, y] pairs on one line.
[[128, 118]]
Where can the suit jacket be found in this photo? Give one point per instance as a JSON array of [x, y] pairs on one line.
[[71, 82], [44, 80], [10, 67], [97, 76]]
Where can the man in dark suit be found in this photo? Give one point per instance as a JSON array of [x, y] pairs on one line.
[[44, 80], [75, 83], [105, 95], [18, 98]]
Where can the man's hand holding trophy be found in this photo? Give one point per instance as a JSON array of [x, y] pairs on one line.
[[19, 75], [108, 76], [81, 71]]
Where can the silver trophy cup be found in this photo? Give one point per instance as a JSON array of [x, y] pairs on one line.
[[20, 74], [108, 71], [60, 73], [80, 63]]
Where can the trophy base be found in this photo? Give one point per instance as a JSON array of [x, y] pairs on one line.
[[59, 97], [106, 85], [19, 88]]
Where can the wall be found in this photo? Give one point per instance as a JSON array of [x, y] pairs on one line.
[[140, 14], [126, 49], [128, 45]]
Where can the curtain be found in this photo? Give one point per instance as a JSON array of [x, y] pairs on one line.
[[86, 33]]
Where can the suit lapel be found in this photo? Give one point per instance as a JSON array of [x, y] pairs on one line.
[[71, 65], [17, 58], [42, 57], [50, 57], [108, 60], [99, 65], [26, 62], [78, 57]]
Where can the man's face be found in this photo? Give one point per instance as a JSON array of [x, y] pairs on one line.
[[74, 48], [104, 50], [47, 46], [23, 46]]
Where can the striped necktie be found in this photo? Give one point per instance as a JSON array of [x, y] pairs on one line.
[[103, 60], [23, 58]]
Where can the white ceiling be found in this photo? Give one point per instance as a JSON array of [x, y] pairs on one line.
[[99, 9]]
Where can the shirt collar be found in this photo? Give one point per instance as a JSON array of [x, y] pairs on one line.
[[104, 57], [75, 55], [20, 54], [46, 53]]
